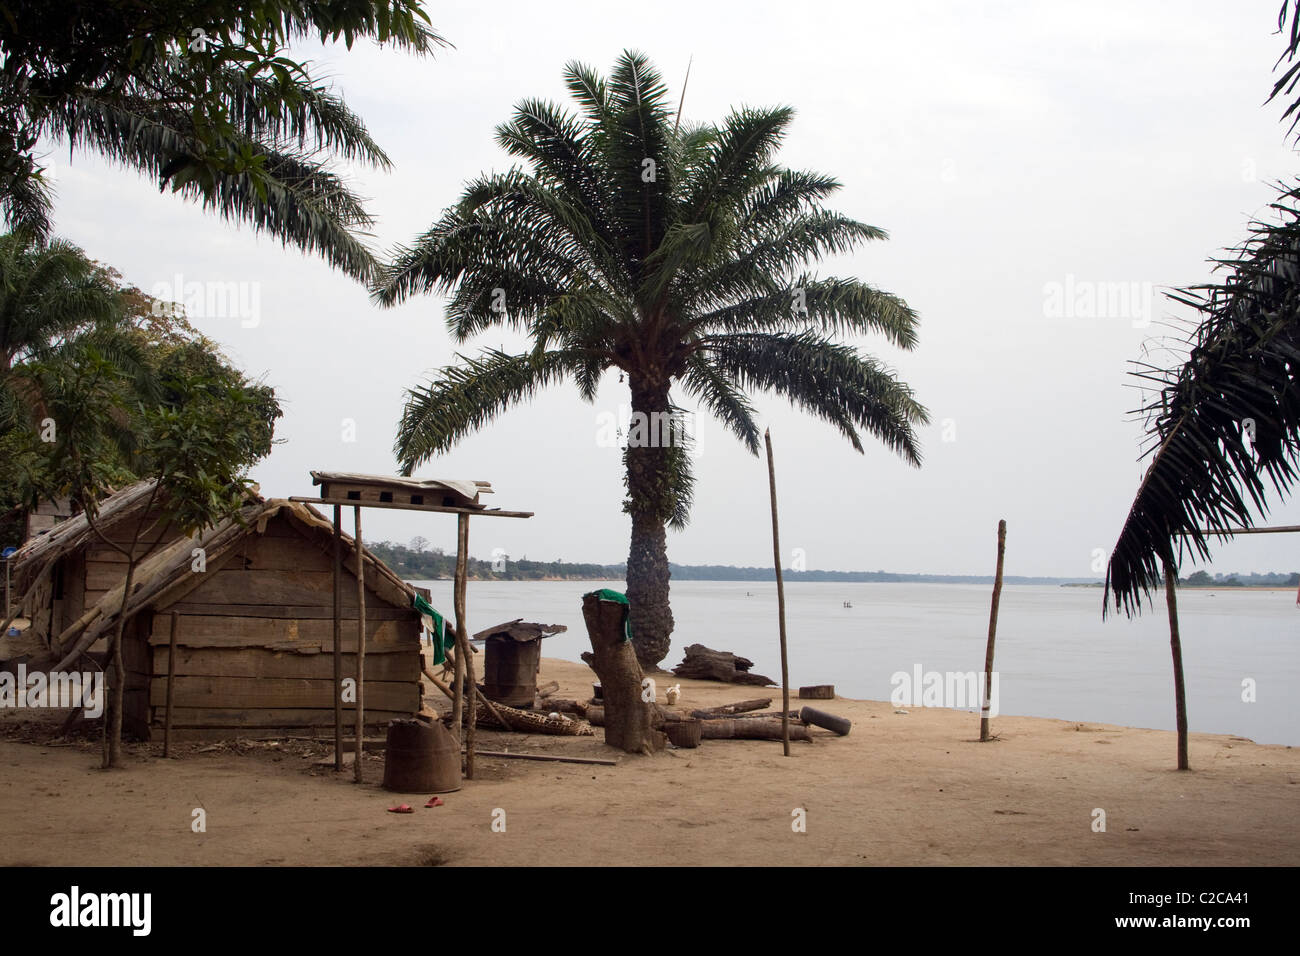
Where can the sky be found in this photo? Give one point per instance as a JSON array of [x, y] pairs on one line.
[[1044, 171]]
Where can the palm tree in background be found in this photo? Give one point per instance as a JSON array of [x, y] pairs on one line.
[[677, 254], [228, 119]]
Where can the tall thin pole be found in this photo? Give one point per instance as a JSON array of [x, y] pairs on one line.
[[361, 646], [338, 639], [463, 651], [1176, 645], [780, 597], [993, 630]]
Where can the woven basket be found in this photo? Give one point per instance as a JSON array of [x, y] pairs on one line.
[[683, 733]]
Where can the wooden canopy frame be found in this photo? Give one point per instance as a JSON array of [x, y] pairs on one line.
[[464, 662]]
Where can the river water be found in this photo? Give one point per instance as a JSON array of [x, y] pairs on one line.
[[1055, 656]]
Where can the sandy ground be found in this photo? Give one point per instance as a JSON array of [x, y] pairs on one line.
[[901, 789]]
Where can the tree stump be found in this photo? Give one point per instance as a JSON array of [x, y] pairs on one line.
[[628, 720]]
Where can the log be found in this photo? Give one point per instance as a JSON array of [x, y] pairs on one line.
[[739, 707], [819, 718], [563, 705], [817, 692], [733, 729], [759, 715], [626, 718], [704, 663]]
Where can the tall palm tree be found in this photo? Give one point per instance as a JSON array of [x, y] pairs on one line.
[[677, 254]]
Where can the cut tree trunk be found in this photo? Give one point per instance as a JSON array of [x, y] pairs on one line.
[[704, 663], [627, 719]]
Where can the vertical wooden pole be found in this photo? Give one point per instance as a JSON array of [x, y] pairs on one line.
[[993, 630], [338, 639], [171, 674], [780, 597], [458, 672], [361, 647], [463, 651], [1176, 645]]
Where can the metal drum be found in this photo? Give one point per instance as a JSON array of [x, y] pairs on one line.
[[422, 757], [510, 671]]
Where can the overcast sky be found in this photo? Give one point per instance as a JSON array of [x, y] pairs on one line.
[[1023, 157]]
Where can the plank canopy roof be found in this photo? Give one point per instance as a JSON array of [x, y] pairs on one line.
[[468, 491]]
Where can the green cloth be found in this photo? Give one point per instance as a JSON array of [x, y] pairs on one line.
[[617, 597], [441, 636]]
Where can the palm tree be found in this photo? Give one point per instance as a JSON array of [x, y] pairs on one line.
[[230, 121], [46, 295], [1224, 420], [674, 253]]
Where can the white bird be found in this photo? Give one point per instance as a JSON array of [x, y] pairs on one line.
[[672, 693]]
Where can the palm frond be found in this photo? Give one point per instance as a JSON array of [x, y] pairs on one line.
[[1224, 420]]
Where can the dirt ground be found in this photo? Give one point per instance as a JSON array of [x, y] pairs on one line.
[[901, 789]]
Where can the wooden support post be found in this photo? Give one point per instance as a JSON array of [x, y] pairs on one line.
[[338, 639], [171, 684], [993, 630], [464, 655], [1176, 645], [361, 647], [780, 597]]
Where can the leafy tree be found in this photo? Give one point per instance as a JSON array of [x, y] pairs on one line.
[[202, 96], [677, 254]]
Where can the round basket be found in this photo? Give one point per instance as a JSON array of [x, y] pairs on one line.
[[683, 733]]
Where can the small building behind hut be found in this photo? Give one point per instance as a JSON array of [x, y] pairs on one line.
[[252, 600]]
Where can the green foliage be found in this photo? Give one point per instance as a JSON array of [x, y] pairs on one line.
[[1228, 418], [201, 95], [111, 391], [677, 254]]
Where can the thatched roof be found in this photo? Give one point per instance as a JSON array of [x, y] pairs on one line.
[[29, 561], [165, 576]]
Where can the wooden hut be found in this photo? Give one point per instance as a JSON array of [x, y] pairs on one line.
[[250, 602]]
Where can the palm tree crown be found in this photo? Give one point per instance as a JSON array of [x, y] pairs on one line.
[[675, 253]]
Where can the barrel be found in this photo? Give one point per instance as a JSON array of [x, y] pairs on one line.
[[422, 757], [510, 671]]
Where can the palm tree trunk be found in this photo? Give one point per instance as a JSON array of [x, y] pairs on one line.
[[650, 503]]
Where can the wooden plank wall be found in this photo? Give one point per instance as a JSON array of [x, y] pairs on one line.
[[255, 646]]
